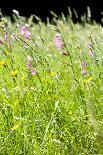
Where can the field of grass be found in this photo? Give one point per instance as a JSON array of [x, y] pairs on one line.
[[51, 88]]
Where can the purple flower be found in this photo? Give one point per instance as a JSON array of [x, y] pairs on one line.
[[84, 72], [58, 41], [27, 34], [6, 36], [29, 65], [84, 64], [23, 30]]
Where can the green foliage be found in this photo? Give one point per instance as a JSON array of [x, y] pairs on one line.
[[59, 110]]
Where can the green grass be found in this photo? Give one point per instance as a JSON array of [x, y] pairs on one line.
[[58, 111]]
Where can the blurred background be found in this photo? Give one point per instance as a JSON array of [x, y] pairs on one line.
[[42, 8]]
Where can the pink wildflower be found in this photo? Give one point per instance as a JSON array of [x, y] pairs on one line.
[[25, 32], [58, 41], [33, 71]]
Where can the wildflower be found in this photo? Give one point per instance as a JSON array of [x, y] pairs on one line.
[[14, 73], [25, 32], [58, 41], [15, 127], [2, 63], [88, 80], [6, 36], [29, 65], [33, 71], [84, 64], [53, 73], [84, 72]]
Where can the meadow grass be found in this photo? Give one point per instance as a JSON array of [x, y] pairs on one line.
[[59, 109]]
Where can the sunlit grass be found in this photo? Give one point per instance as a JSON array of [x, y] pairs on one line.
[[52, 104]]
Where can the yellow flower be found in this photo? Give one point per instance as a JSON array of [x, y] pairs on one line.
[[53, 73], [14, 73], [2, 62], [88, 80], [15, 127]]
